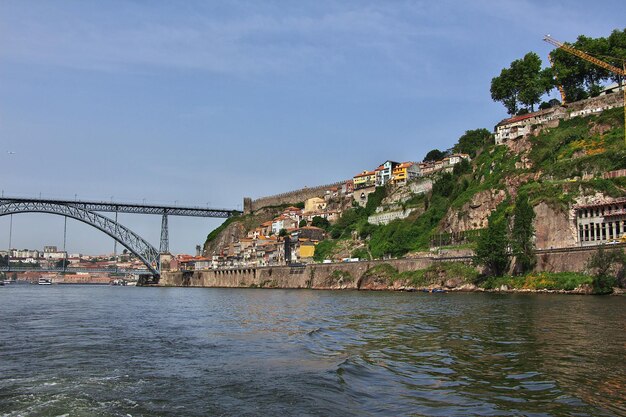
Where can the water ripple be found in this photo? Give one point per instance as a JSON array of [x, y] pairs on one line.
[[149, 351]]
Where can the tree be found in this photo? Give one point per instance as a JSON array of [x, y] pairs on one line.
[[282, 232], [492, 247], [522, 84], [434, 155], [523, 233], [504, 89], [472, 141], [581, 78], [320, 222], [617, 52], [302, 223], [604, 265]]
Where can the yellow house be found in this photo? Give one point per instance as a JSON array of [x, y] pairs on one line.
[[364, 179], [307, 250], [314, 204], [404, 172]]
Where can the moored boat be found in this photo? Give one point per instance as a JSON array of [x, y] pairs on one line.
[[44, 281]]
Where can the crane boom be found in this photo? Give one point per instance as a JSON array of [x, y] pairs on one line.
[[584, 56], [587, 57]]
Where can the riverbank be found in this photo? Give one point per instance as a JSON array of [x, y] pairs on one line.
[[556, 272]]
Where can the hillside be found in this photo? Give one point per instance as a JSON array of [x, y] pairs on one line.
[[557, 167]]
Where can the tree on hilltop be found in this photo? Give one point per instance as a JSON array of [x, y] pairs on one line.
[[472, 141], [434, 155], [522, 84]]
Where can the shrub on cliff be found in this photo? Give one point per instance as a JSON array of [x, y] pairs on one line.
[[492, 246], [522, 235], [605, 265]]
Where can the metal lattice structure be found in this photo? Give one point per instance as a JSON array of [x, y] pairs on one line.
[[132, 241], [115, 207]]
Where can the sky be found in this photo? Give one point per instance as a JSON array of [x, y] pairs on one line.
[[205, 102]]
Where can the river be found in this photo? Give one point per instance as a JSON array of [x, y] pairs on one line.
[[120, 351]]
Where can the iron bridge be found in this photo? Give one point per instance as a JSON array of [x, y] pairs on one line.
[[87, 212]]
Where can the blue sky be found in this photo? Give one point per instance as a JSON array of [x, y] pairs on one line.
[[205, 102]]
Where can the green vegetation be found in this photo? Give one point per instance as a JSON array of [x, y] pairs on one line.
[[577, 147], [522, 234], [382, 272], [472, 141], [605, 265], [360, 253], [581, 78], [439, 272], [436, 274], [492, 247], [434, 155], [341, 277], [320, 222], [522, 84], [324, 250], [539, 281], [216, 232]]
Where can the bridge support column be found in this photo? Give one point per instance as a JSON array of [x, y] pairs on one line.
[[165, 239]]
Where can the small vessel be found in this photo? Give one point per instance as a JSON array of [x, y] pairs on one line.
[[44, 281]]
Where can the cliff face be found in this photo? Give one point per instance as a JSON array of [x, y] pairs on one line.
[[473, 214], [553, 228], [231, 234]]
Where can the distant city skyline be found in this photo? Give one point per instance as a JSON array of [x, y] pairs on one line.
[[204, 103]]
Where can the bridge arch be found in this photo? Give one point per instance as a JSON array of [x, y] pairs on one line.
[[129, 239]]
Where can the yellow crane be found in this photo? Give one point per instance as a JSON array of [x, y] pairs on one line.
[[593, 60]]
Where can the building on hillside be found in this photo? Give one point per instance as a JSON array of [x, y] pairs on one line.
[[331, 193], [305, 251], [456, 158], [294, 213], [314, 204], [517, 126], [450, 161], [348, 187], [25, 253], [364, 179], [601, 223], [426, 168], [283, 222], [404, 172], [384, 172], [360, 195], [266, 228], [310, 233]]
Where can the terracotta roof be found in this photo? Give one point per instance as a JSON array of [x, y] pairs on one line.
[[365, 173], [311, 228]]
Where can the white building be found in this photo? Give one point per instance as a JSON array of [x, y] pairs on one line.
[[384, 173]]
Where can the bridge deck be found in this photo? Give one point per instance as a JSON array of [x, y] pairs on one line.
[[112, 207]]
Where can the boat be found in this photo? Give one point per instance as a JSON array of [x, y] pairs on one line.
[[44, 281]]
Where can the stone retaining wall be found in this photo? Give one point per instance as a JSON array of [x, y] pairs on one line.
[[347, 275]]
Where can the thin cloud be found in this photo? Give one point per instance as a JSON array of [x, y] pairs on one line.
[[263, 42]]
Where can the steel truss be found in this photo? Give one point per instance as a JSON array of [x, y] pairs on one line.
[[132, 241], [114, 207]]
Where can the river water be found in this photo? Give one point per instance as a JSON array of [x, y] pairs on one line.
[[119, 351]]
